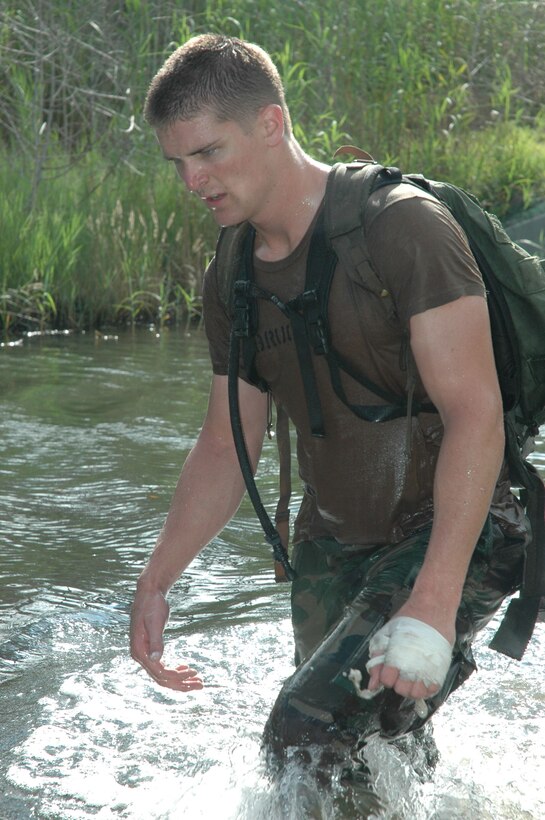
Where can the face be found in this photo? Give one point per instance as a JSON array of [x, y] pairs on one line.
[[222, 163]]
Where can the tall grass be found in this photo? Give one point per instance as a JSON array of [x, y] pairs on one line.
[[89, 254], [94, 230]]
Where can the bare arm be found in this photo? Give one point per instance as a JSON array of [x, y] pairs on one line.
[[453, 352], [207, 495]]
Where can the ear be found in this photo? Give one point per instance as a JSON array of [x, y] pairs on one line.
[[272, 122]]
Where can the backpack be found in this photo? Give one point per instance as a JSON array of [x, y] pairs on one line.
[[515, 284]]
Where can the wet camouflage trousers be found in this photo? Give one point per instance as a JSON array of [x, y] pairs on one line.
[[340, 597]]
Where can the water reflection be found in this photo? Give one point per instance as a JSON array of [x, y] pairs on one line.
[[94, 434]]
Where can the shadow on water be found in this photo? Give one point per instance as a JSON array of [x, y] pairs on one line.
[[94, 434]]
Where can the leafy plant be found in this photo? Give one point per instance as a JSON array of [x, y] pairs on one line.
[[95, 230]]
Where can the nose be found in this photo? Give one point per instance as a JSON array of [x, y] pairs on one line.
[[193, 177]]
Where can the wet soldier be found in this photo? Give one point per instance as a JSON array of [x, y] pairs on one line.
[[408, 538]]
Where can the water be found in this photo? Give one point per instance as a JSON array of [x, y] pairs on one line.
[[94, 432]]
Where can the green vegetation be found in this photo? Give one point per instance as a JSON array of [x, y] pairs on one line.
[[96, 230]]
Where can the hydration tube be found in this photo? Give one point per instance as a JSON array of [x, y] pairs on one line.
[[271, 533]]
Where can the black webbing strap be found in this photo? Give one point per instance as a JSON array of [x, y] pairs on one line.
[[298, 318], [521, 615], [309, 322], [241, 329], [282, 514]]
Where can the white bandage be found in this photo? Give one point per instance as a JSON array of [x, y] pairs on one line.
[[418, 650], [355, 676]]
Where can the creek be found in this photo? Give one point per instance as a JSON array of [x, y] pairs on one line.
[[94, 431]]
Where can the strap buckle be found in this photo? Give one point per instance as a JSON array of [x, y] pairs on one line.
[[309, 306], [241, 308]]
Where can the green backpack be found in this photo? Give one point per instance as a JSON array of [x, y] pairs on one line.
[[515, 282]]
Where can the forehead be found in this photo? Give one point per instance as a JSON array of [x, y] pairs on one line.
[[187, 137]]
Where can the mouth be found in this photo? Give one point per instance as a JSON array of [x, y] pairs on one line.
[[213, 199]]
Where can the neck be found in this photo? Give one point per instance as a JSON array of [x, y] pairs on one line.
[[295, 196]]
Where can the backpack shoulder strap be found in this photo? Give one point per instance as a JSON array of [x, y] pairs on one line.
[[349, 188], [228, 260], [233, 245], [234, 277]]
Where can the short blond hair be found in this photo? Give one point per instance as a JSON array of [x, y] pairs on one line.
[[230, 77]]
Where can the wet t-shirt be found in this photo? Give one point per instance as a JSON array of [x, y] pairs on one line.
[[363, 482]]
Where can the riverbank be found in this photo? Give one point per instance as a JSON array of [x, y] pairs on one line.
[[97, 232]]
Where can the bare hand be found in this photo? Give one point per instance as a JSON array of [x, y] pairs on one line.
[[148, 619]]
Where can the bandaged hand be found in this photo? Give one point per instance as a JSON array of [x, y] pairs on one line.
[[419, 652]]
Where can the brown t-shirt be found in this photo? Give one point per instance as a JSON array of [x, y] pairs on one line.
[[362, 484]]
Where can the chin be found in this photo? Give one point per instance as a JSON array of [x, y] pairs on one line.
[[225, 222]]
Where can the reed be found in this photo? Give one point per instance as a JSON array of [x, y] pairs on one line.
[[96, 231]]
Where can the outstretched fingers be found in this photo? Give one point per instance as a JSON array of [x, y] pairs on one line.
[[179, 678]]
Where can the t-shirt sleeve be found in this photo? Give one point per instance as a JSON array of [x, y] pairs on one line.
[[422, 256], [216, 322]]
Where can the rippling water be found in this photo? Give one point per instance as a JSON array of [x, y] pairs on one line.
[[94, 432]]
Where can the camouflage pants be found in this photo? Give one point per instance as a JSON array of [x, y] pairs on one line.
[[341, 596]]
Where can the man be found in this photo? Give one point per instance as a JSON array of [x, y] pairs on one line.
[[415, 543]]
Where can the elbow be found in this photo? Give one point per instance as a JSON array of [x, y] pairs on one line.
[[221, 448], [499, 424], [497, 434], [494, 419]]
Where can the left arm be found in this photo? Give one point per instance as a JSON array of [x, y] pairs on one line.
[[452, 348]]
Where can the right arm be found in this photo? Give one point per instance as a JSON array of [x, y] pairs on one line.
[[208, 494]]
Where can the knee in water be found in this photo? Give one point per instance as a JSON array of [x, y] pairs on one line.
[[293, 722], [398, 715]]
